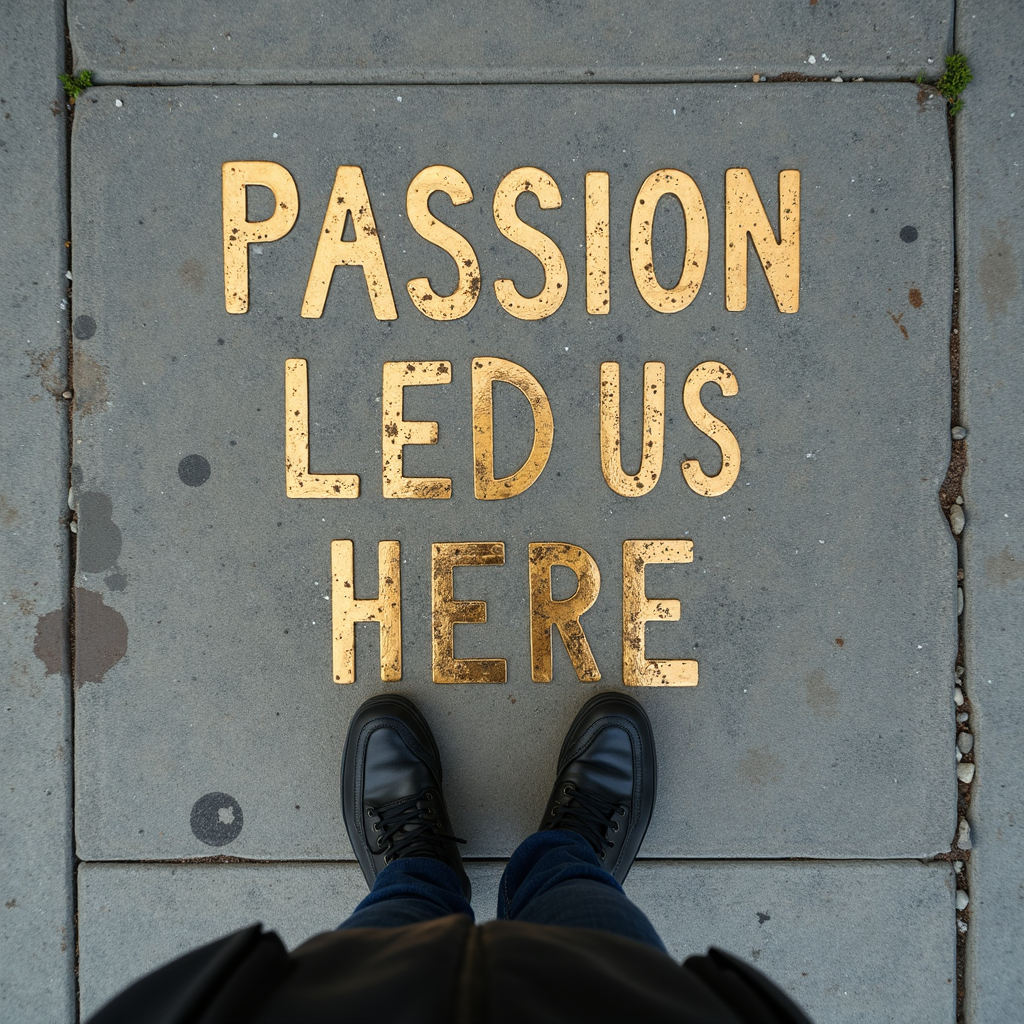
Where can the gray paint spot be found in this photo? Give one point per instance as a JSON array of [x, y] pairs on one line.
[[193, 273], [216, 819], [194, 470], [998, 272], [822, 699], [908, 233], [51, 634], [116, 580], [90, 381], [99, 537], [101, 637], [85, 327], [1004, 568], [760, 766]]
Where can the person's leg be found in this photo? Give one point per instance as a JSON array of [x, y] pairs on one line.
[[396, 819], [556, 878], [410, 890], [570, 872]]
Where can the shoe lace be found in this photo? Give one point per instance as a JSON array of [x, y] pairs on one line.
[[411, 829], [589, 815]]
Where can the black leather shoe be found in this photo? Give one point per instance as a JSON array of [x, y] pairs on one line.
[[391, 796], [607, 780]]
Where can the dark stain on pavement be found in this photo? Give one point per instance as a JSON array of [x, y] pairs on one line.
[[822, 699], [8, 513], [1004, 568], [99, 537], [194, 470], [997, 271], [91, 393], [85, 327], [47, 367], [908, 233], [101, 637], [216, 819], [51, 634]]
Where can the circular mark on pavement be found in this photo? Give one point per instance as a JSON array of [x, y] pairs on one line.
[[908, 233], [194, 470], [216, 819], [85, 327]]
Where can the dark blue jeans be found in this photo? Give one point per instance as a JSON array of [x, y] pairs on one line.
[[554, 877]]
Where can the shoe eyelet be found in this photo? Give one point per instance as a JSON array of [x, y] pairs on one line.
[[376, 826], [369, 812], [555, 806], [615, 826], [602, 855], [430, 795]]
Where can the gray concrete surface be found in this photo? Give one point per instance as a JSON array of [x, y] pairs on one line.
[[990, 148], [37, 944], [521, 41], [820, 726], [892, 959]]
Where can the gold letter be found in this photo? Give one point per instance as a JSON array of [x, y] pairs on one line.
[[349, 197], [447, 611], [597, 229], [299, 482], [745, 215], [485, 373], [385, 608], [653, 450], [240, 232], [556, 279], [720, 374], [546, 612], [641, 229], [421, 291], [398, 432], [638, 610]]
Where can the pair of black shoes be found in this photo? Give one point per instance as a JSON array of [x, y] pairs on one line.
[[393, 806]]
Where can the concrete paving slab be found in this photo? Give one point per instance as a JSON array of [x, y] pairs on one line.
[[819, 604], [261, 42], [990, 152], [850, 941], [37, 942]]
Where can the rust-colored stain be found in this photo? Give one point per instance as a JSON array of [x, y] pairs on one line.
[[839, 641], [101, 637], [8, 513], [91, 393], [914, 297], [898, 321], [46, 366], [51, 631]]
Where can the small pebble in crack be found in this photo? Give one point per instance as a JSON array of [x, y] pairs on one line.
[[962, 899], [965, 772], [963, 835], [959, 433], [957, 520], [965, 742], [958, 696]]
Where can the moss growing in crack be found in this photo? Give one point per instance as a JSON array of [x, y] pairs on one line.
[[954, 80], [75, 85]]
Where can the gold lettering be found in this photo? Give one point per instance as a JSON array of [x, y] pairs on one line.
[[397, 432], [546, 612], [384, 609], [638, 610], [349, 197], [653, 450], [745, 215], [698, 481], [597, 230], [423, 294], [641, 230], [446, 612], [240, 232], [299, 481], [485, 373], [556, 278]]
